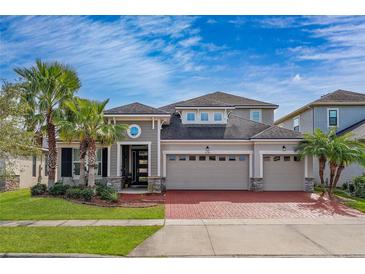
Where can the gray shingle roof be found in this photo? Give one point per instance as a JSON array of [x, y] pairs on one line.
[[352, 127], [217, 99], [341, 96], [238, 128], [135, 108], [275, 132]]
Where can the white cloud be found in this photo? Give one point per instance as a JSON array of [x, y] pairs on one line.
[[297, 78]]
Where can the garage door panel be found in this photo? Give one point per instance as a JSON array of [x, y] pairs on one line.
[[281, 175], [207, 174]]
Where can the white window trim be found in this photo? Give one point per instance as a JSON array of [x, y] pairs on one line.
[[296, 117], [96, 162], [73, 161], [256, 110], [328, 117], [129, 132], [191, 112]]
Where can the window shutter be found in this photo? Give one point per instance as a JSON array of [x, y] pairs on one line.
[[104, 172], [66, 162]]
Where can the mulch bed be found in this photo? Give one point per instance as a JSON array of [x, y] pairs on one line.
[[124, 200]]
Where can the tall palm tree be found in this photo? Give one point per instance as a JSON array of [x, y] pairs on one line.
[[47, 86], [91, 122], [343, 152], [317, 145], [71, 128]]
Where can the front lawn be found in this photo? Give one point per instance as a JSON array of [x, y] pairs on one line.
[[86, 240], [357, 203], [19, 205]]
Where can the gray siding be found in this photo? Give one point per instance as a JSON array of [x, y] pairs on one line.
[[305, 122], [267, 114], [148, 135], [348, 115]]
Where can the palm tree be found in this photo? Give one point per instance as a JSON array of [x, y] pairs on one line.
[[46, 86], [71, 124], [343, 152], [317, 145], [91, 124]]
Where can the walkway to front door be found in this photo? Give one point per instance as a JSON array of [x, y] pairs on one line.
[[251, 205]]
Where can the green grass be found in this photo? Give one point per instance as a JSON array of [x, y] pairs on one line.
[[19, 205], [86, 240]]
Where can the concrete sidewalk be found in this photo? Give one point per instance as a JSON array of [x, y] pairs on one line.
[[70, 223], [257, 238]]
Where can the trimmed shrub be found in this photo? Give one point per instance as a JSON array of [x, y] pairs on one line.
[[351, 188], [345, 186], [38, 189], [359, 185], [58, 189], [87, 194], [74, 193]]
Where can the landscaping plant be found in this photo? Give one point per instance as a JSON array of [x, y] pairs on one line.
[[38, 189]]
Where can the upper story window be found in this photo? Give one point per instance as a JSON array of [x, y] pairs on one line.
[[332, 117], [255, 115], [190, 116], [204, 116], [296, 124], [218, 117]]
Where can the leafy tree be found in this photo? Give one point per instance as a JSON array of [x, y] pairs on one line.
[[15, 141], [45, 87], [89, 124]]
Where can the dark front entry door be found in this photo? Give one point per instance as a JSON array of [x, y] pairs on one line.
[[139, 167]]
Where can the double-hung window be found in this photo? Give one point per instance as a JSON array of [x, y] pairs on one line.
[[190, 116], [255, 115], [98, 167], [332, 117], [218, 117], [76, 162], [204, 116]]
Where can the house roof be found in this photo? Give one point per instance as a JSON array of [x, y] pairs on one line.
[[275, 132], [135, 108], [352, 127], [237, 128], [338, 97], [218, 99]]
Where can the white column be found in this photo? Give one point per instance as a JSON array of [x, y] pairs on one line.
[[118, 159], [109, 161]]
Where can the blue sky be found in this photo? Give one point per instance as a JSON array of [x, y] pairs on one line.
[[157, 60]]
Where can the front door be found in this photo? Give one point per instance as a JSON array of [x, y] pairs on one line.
[[139, 167]]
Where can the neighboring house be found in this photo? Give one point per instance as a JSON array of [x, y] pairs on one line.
[[24, 171], [216, 141], [342, 109]]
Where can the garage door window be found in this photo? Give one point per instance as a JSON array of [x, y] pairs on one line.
[[296, 159], [276, 158], [192, 158], [222, 158], [182, 158], [211, 158], [267, 158], [242, 158], [286, 158], [172, 157], [231, 158], [202, 158]]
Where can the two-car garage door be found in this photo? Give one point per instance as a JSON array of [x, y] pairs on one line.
[[207, 172]]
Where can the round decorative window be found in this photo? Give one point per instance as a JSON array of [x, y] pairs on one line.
[[134, 131]]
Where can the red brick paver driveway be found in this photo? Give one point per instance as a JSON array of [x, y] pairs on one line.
[[251, 205]]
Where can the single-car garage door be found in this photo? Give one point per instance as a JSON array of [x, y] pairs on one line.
[[207, 171], [283, 173]]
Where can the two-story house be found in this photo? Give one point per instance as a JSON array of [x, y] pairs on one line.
[[217, 141], [344, 110]]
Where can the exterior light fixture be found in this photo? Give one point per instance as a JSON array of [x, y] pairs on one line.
[[284, 148], [207, 149]]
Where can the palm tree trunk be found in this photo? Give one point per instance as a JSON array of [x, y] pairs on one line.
[[83, 151], [333, 167], [91, 156], [338, 174], [322, 166], [51, 132]]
